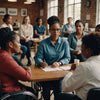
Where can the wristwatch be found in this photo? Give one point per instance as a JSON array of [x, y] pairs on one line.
[[60, 63]]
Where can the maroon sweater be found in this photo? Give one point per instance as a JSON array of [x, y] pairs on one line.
[[11, 72]]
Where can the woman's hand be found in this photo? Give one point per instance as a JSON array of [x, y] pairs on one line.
[[76, 51], [26, 40], [43, 64], [55, 64], [73, 67]]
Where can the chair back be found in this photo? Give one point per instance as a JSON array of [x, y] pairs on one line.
[[0, 89], [94, 94]]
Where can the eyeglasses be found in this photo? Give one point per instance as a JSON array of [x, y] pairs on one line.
[[58, 30]]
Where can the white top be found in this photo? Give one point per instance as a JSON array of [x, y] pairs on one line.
[[5, 25], [26, 31], [85, 77], [79, 43]]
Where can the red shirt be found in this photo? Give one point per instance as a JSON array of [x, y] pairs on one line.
[[11, 72]]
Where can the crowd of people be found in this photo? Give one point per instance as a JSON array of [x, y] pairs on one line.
[[53, 51]]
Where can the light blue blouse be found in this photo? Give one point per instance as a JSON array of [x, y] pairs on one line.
[[51, 53], [66, 28]]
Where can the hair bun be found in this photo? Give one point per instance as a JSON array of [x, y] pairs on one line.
[[53, 19]]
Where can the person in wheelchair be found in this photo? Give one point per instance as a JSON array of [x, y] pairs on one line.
[[10, 70]]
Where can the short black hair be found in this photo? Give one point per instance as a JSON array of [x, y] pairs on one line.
[[37, 19], [6, 35], [52, 20], [5, 17], [79, 21], [92, 41], [98, 26]]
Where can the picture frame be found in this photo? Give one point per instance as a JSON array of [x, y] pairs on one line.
[[12, 11], [2, 11], [23, 12]]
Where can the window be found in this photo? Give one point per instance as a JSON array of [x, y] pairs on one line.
[[72, 8], [98, 12], [52, 8]]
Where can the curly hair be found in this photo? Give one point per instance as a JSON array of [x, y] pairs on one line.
[[52, 20], [92, 41]]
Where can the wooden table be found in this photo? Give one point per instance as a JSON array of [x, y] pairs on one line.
[[36, 43], [40, 75]]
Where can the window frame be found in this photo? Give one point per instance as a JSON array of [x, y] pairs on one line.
[[66, 6]]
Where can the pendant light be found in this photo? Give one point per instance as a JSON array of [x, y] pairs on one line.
[[12, 0]]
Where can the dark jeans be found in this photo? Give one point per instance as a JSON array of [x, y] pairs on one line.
[[27, 44], [24, 49], [66, 35], [51, 85], [66, 96], [74, 56]]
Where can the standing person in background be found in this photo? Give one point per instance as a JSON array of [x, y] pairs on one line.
[[68, 28], [7, 23], [26, 34], [39, 29], [53, 51], [75, 42]]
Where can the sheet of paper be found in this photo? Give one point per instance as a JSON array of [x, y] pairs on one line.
[[55, 69]]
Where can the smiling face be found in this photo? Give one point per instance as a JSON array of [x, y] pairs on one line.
[[55, 30], [79, 27]]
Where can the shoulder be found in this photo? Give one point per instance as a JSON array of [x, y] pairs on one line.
[[45, 41], [43, 26], [35, 26], [5, 56], [84, 33], [72, 34], [30, 26], [63, 40], [3, 25]]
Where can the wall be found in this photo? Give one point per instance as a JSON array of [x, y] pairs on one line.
[[32, 10], [84, 11]]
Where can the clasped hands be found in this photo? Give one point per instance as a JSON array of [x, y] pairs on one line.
[[54, 65]]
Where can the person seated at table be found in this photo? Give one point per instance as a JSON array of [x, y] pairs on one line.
[[39, 29], [68, 28], [53, 51], [26, 34], [97, 28], [74, 40], [7, 23], [10, 71], [85, 76]]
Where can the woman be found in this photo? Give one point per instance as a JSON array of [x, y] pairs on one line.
[[86, 75], [7, 23], [26, 33], [39, 29], [74, 40], [68, 28], [53, 51], [10, 71]]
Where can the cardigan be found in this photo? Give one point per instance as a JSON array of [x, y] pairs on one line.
[[72, 39], [11, 72]]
